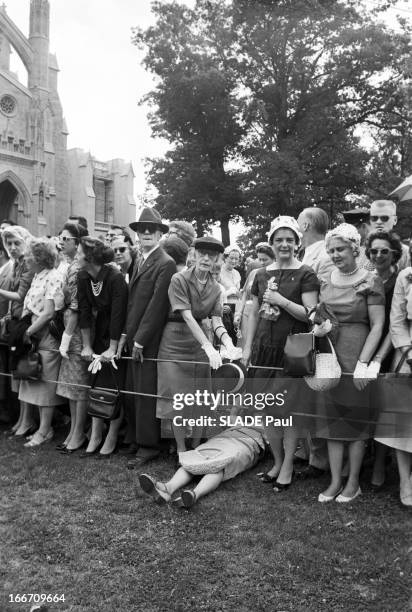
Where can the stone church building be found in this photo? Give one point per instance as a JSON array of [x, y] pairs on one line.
[[41, 182]]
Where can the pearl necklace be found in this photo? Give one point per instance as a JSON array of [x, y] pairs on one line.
[[96, 287], [202, 282], [349, 273]]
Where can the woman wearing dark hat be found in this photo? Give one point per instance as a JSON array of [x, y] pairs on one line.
[[194, 295], [102, 300]]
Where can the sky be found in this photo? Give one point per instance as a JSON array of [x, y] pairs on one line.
[[101, 79]]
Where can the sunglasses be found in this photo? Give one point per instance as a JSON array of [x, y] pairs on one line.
[[66, 238], [383, 218], [120, 249], [381, 251], [146, 227]]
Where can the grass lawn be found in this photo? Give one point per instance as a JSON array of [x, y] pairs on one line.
[[83, 528]]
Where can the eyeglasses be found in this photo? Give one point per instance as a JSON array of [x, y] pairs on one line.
[[383, 218], [66, 238], [120, 249], [146, 227], [110, 236], [384, 251]]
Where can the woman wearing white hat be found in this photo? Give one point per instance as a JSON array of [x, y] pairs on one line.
[[291, 288]]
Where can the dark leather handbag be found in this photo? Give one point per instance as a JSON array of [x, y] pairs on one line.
[[104, 403], [299, 355], [56, 325], [29, 366]]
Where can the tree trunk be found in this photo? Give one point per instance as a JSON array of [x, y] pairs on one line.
[[224, 228]]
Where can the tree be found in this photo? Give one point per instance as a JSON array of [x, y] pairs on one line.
[[264, 103], [196, 110]]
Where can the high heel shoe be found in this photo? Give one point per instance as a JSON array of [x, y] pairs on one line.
[[29, 431], [70, 451], [88, 454], [324, 499], [343, 499], [38, 439], [264, 477], [278, 487], [101, 456]]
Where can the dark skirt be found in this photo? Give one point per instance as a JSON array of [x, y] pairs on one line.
[[179, 344]]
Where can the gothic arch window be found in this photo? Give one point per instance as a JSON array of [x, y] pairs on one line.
[[41, 199], [8, 105]]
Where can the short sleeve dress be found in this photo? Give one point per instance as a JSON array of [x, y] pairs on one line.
[[345, 412], [270, 338], [178, 342], [46, 285], [74, 369]]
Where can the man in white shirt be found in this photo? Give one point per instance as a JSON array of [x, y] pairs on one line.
[[314, 223], [383, 219]]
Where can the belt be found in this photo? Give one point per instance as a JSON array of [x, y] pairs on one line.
[[179, 319]]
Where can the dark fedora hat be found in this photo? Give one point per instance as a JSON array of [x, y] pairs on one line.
[[209, 243], [149, 216]]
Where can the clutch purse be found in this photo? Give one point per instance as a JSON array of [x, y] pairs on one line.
[[299, 355], [56, 325], [104, 403], [29, 367]]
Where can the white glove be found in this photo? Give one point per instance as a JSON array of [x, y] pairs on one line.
[[233, 353], [64, 345], [213, 355], [373, 369], [361, 370], [95, 365], [322, 329]]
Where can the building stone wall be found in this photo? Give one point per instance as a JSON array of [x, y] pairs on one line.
[[41, 183]]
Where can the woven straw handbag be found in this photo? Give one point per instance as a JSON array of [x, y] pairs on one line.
[[327, 371]]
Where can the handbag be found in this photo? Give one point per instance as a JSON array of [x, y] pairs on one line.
[[391, 397], [56, 325], [29, 366], [204, 461], [327, 370], [299, 355], [104, 403]]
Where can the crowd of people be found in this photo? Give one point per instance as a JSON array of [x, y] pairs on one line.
[[154, 317]]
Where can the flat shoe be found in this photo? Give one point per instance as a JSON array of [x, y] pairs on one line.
[[151, 487], [188, 498], [324, 499], [343, 499], [177, 502], [60, 446]]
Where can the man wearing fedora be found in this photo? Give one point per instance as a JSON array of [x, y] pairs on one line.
[[148, 307]]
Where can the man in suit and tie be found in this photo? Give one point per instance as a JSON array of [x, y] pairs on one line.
[[148, 307]]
